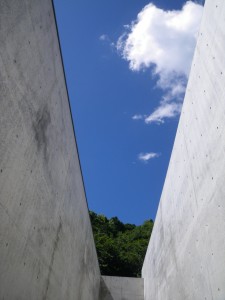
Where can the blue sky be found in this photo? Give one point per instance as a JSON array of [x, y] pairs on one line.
[[126, 86]]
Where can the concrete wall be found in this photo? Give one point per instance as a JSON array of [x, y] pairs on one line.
[[186, 255], [121, 288], [47, 249]]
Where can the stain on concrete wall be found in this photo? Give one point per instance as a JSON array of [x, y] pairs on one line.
[[40, 126]]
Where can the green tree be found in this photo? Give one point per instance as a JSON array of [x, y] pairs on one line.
[[120, 247]]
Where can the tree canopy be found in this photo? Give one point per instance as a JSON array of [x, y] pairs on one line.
[[120, 247]]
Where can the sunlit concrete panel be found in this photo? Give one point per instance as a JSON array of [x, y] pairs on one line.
[[121, 288], [47, 249], [185, 257]]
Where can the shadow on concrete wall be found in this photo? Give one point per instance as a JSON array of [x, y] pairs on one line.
[[104, 291]]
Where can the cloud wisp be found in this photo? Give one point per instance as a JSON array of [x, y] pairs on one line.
[[104, 37], [137, 117], [146, 157], [163, 41]]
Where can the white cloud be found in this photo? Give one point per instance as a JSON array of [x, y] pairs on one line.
[[145, 157], [165, 110], [163, 41]]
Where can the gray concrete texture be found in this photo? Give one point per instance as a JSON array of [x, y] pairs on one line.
[[47, 249], [186, 254], [121, 288]]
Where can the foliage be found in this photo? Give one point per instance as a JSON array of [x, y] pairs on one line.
[[120, 247]]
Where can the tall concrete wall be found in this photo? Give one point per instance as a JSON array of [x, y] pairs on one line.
[[186, 254], [47, 249], [121, 288]]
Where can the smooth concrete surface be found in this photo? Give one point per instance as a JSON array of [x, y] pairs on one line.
[[186, 254], [121, 288], [47, 249]]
